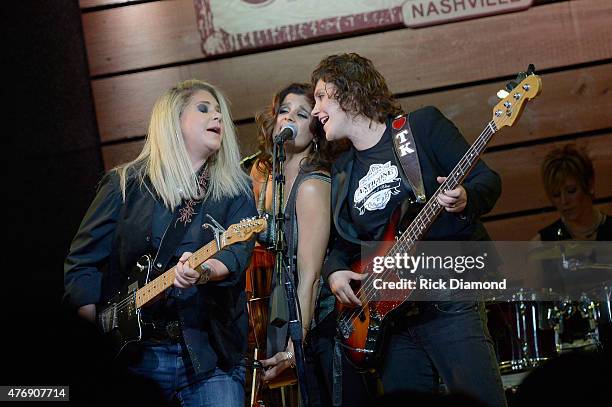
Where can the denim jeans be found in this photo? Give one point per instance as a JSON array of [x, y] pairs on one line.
[[168, 364], [447, 340]]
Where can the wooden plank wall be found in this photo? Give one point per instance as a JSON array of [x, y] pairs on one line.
[[137, 49]]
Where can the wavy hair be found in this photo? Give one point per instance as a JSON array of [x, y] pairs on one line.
[[568, 161], [266, 121], [164, 159], [360, 88]]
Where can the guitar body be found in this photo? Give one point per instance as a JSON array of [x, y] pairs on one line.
[[119, 318], [362, 330]]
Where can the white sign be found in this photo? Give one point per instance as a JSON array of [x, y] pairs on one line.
[[228, 26]]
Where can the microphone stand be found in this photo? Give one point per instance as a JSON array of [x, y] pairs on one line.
[[283, 271]]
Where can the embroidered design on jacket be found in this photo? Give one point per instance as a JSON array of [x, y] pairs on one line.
[[187, 211]]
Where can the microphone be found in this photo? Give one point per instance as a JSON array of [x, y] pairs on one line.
[[288, 132]]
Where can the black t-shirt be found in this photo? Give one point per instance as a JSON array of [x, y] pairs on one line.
[[375, 189]]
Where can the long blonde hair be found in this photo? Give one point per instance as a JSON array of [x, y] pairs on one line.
[[164, 159]]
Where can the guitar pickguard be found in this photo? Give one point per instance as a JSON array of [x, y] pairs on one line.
[[120, 318]]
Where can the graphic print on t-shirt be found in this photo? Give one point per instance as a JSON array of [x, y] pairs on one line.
[[376, 187]]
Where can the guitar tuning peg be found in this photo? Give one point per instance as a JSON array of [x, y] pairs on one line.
[[502, 94], [530, 69], [511, 85]]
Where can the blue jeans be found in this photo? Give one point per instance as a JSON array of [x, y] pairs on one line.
[[170, 367], [447, 340]]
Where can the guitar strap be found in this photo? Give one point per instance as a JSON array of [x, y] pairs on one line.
[[406, 153], [181, 220]]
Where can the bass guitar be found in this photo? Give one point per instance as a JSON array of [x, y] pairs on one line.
[[361, 329], [120, 317]]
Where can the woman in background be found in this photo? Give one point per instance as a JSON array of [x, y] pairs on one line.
[[569, 181]]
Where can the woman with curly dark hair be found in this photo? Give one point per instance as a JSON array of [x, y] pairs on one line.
[[426, 340], [307, 226]]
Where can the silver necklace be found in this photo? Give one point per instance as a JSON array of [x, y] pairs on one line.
[[588, 233]]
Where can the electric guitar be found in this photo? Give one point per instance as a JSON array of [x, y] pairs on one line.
[[361, 329], [120, 318]]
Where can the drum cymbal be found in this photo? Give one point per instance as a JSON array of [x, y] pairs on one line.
[[556, 251]]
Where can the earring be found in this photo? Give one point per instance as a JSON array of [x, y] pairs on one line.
[[315, 145]]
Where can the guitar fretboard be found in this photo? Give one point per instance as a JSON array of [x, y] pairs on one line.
[[165, 281], [430, 211]]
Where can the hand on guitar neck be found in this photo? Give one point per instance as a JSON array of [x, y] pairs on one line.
[[185, 276], [453, 200]]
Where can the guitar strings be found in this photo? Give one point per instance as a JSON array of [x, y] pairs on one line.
[[121, 305], [407, 241], [431, 209]]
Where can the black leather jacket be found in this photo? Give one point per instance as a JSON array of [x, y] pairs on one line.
[[440, 146]]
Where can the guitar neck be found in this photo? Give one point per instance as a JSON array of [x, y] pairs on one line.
[[161, 283], [428, 214]]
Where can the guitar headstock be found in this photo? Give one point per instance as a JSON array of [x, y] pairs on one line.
[[511, 106], [239, 232]]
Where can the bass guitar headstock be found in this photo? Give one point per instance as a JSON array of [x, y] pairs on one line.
[[525, 87]]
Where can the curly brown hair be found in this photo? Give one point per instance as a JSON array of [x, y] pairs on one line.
[[320, 159], [360, 88], [568, 161]]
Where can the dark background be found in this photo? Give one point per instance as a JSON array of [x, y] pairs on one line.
[[53, 163]]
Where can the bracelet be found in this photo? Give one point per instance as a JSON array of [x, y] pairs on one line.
[[205, 272]]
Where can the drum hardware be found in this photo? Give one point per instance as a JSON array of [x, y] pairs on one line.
[[564, 250], [577, 324], [580, 317], [512, 381], [604, 308], [595, 266], [527, 337]]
